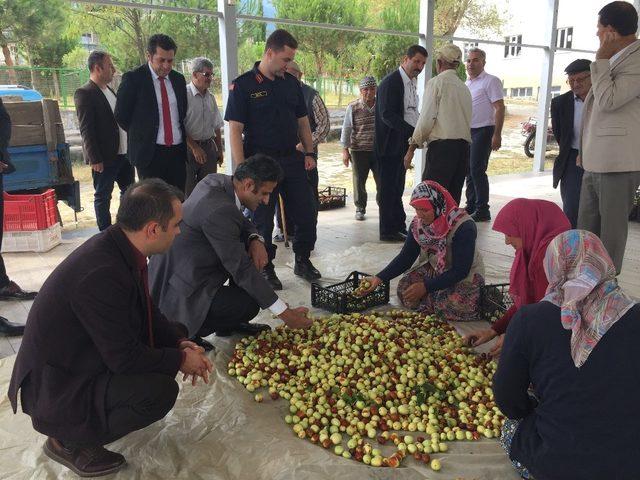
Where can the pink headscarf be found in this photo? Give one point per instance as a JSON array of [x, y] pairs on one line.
[[582, 282], [536, 222], [432, 238]]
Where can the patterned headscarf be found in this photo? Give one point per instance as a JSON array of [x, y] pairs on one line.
[[432, 238], [536, 222], [582, 282]]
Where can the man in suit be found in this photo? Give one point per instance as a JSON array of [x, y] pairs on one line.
[[152, 111], [9, 290], [396, 116], [566, 121], [98, 360], [218, 244], [104, 142], [611, 131]]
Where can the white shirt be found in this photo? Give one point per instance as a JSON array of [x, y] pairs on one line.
[[111, 98], [173, 109], [578, 106], [485, 90], [411, 100], [203, 116], [278, 306]]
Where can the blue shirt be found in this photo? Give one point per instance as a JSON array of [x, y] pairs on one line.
[[269, 110]]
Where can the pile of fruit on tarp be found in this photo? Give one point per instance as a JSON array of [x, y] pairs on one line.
[[357, 382]]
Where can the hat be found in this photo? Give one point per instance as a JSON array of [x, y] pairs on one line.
[[577, 66], [367, 82], [449, 53]]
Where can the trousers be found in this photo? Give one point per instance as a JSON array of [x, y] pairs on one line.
[[120, 172], [361, 164], [168, 164], [477, 192]]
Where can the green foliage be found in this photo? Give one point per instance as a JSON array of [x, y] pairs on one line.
[[249, 53], [76, 58]]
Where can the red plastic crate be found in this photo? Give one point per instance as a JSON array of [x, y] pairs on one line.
[[29, 212]]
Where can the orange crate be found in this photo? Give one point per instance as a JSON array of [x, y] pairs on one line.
[[29, 212]]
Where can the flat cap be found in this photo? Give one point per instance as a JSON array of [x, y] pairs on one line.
[[577, 66]]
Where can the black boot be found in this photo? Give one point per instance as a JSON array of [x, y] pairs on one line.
[[269, 273], [10, 329], [305, 269]]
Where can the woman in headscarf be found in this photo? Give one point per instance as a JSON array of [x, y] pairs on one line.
[[449, 273], [528, 226], [578, 350]]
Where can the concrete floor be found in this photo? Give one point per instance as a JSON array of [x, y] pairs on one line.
[[335, 255]]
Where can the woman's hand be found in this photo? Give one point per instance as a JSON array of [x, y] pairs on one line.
[[414, 293], [373, 284], [478, 338], [497, 348]]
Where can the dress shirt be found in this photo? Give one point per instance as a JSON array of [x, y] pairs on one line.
[[619, 54], [446, 111], [485, 91], [278, 306], [203, 117], [578, 105], [111, 98], [410, 98], [173, 109]]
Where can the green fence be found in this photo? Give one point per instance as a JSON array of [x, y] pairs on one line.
[[335, 92], [56, 83]]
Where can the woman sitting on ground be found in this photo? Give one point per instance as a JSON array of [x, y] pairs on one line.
[[450, 273], [578, 349], [528, 226]]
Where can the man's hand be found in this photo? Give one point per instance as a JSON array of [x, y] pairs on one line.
[[97, 167], [579, 160], [258, 254], [496, 142], [195, 365], [189, 344], [609, 45], [478, 338], [415, 292], [296, 317], [309, 163], [346, 157], [408, 158], [199, 154], [3, 166], [220, 157], [497, 348]]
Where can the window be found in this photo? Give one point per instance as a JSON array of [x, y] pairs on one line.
[[555, 91], [511, 50], [468, 46], [521, 92], [565, 37]]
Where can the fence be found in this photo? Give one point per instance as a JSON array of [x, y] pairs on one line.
[[56, 83], [335, 92]]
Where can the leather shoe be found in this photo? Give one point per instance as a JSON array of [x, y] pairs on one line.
[[305, 269], [247, 329], [84, 461], [481, 216], [11, 291], [269, 273], [201, 342], [393, 237], [10, 329]]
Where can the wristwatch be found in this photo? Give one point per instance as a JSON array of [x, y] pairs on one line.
[[313, 155], [255, 236]]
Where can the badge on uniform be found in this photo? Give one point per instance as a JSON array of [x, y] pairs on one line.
[[260, 94]]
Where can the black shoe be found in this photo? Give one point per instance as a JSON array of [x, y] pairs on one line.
[[305, 269], [393, 237], [10, 329], [246, 329], [84, 461], [481, 216], [269, 273], [201, 342], [11, 291]]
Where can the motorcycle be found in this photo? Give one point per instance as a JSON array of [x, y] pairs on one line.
[[529, 131]]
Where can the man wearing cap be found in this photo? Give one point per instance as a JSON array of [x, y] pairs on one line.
[[358, 130], [566, 121], [445, 125], [487, 118], [610, 141]]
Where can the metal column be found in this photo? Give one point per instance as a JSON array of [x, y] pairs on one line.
[[544, 95], [228, 35], [427, 9]]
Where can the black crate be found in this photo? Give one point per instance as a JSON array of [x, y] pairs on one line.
[[332, 197], [494, 301], [339, 298]]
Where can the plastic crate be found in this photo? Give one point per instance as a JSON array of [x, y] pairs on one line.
[[32, 241], [29, 212], [494, 301], [332, 197], [339, 298]]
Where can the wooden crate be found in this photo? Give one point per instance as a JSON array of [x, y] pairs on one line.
[[35, 123]]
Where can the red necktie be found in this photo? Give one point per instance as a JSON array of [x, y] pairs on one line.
[[166, 114]]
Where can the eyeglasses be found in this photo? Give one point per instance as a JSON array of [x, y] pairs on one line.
[[206, 75]]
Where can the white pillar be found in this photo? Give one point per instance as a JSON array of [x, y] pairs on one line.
[[228, 34], [425, 28], [544, 95]]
